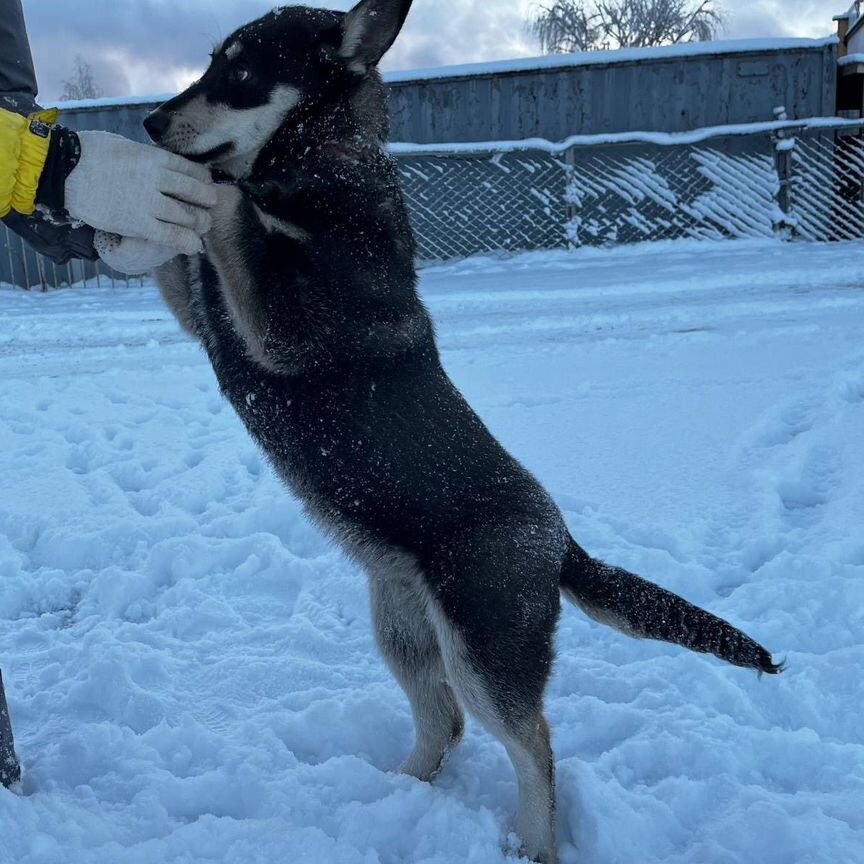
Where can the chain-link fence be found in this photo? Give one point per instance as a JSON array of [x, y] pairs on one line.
[[463, 203], [628, 195], [799, 180], [827, 187]]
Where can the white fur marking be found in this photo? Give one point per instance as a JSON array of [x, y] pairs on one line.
[[274, 225], [201, 126]]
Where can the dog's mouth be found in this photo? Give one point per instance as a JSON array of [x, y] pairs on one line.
[[212, 155]]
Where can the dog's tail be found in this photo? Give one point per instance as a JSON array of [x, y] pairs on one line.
[[642, 609]]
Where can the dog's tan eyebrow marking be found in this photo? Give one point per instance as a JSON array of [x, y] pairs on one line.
[[234, 50]]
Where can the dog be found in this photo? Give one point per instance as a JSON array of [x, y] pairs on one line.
[[305, 301]]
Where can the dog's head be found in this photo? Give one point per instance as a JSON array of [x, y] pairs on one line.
[[292, 60]]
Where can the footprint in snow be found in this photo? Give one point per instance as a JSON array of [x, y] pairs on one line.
[[785, 426], [852, 387], [133, 476], [193, 458], [807, 486]]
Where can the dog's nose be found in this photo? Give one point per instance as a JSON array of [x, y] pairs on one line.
[[156, 123]]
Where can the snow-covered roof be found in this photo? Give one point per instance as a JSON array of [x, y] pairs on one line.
[[852, 13], [529, 64], [854, 17], [620, 55]]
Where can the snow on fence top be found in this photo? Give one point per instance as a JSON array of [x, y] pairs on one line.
[[531, 64], [660, 138]]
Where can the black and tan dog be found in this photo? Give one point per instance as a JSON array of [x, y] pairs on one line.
[[306, 304]]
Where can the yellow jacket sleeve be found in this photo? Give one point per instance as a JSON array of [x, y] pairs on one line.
[[24, 143]]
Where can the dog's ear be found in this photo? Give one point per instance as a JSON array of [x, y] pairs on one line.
[[369, 29]]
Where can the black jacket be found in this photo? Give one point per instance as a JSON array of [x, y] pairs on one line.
[[52, 236]]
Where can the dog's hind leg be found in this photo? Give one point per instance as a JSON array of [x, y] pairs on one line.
[[518, 723], [495, 627], [530, 751], [410, 647]]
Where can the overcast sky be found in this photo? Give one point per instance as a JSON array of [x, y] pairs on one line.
[[157, 46]]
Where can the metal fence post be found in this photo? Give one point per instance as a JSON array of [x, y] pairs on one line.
[[784, 227], [570, 212]]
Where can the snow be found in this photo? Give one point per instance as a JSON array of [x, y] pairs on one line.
[[851, 60], [189, 663], [108, 102]]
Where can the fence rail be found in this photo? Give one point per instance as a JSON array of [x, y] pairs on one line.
[[797, 179]]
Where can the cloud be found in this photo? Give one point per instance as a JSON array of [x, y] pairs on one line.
[[810, 18], [156, 46], [138, 45]]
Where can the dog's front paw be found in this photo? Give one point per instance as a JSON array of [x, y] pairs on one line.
[[422, 766], [515, 847]]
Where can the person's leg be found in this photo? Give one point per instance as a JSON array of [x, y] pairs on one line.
[[10, 768], [17, 93], [18, 87]]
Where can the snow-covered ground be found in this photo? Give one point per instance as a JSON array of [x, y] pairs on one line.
[[189, 664]]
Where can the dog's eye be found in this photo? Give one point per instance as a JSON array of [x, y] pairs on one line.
[[238, 74]]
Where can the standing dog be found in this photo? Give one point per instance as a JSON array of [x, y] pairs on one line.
[[306, 304]]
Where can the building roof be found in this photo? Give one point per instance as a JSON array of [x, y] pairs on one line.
[[718, 47], [549, 62], [850, 14], [854, 28]]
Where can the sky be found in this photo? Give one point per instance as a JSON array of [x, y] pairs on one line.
[[139, 47]]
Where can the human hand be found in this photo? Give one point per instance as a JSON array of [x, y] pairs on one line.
[[138, 191], [131, 255]]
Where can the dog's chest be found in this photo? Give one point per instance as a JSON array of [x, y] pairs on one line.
[[309, 440]]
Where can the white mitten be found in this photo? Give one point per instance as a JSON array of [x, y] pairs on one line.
[[131, 255], [136, 190]]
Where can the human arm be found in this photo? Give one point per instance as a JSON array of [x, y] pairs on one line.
[[104, 181]]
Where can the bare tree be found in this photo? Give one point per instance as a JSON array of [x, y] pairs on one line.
[[82, 84], [566, 26], [587, 25]]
